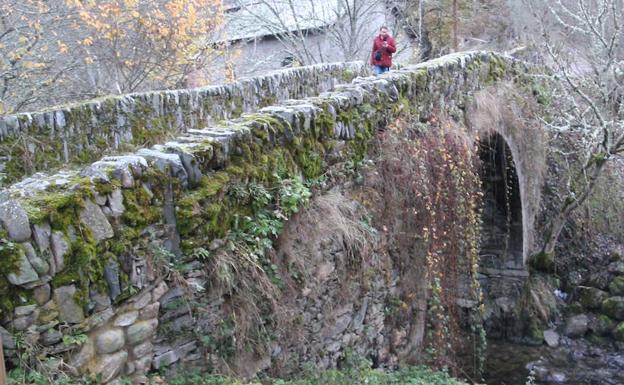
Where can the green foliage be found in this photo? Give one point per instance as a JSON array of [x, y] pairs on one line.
[[75, 340], [358, 372]]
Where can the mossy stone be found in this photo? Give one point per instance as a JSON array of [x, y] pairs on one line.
[[616, 286], [591, 297], [614, 308], [618, 332]]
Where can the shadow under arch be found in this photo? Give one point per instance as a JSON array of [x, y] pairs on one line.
[[501, 245]]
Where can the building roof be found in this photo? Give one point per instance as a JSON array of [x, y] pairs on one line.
[[248, 19]]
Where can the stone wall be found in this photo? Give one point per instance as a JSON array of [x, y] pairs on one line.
[[83, 132], [97, 254]]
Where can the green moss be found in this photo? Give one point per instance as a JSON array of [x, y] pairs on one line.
[[10, 255]]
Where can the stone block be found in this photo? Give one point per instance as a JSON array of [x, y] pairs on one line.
[[26, 273], [109, 341], [141, 331], [42, 293], [41, 233], [93, 217], [109, 366], [14, 219], [69, 310], [60, 247], [127, 318], [150, 311]]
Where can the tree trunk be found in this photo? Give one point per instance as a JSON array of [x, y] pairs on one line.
[[455, 27]]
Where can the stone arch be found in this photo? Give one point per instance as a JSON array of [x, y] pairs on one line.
[[495, 114], [502, 243]]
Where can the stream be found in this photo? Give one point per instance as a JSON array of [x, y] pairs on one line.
[[574, 362]]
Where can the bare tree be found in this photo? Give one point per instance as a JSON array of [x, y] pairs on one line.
[[583, 44], [347, 26]]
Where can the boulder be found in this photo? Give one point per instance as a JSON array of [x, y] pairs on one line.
[[616, 267], [591, 297], [576, 326], [618, 332], [616, 286], [613, 307], [601, 325], [551, 338]]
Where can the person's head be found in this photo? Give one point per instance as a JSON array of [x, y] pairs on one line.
[[384, 32]]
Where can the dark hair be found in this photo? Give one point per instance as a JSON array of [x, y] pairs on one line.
[[384, 27]]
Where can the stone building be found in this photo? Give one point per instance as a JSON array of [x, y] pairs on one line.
[[261, 35]]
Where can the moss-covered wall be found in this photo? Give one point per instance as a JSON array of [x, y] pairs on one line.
[[82, 133], [84, 253]]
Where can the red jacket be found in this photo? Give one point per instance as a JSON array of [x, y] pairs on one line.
[[386, 53]]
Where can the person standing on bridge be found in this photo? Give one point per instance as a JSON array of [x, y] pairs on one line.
[[383, 48]]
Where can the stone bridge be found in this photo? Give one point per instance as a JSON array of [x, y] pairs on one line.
[[86, 251]]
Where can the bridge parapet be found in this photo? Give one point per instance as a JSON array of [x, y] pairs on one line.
[[80, 133]]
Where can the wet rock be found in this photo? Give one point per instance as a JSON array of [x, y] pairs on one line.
[[93, 217], [14, 219], [591, 297], [576, 326], [109, 341], [551, 338], [616, 287], [69, 310], [613, 307]]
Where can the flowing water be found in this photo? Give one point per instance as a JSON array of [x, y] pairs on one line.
[[575, 362]]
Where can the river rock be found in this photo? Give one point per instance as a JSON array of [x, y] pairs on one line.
[[601, 325], [93, 217], [616, 267], [551, 338], [618, 332], [109, 341], [616, 286], [613, 307], [591, 297], [15, 220], [576, 326], [69, 310]]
